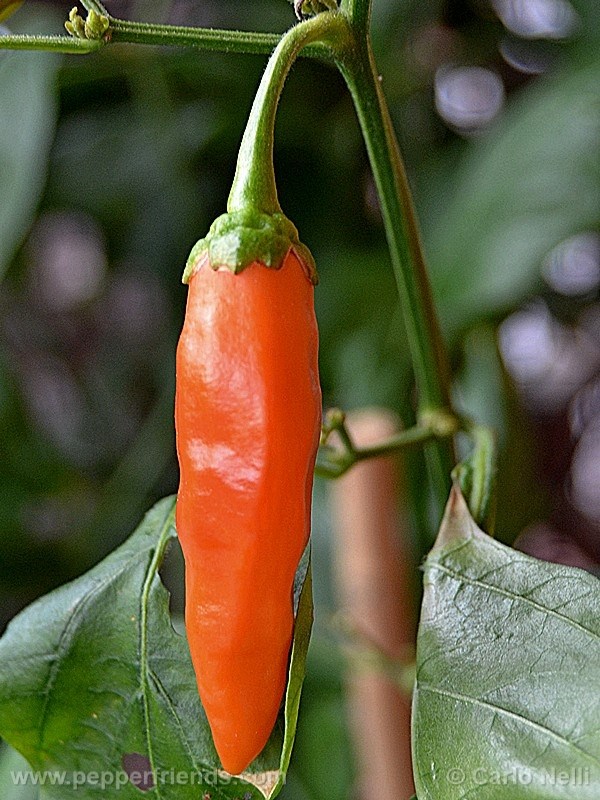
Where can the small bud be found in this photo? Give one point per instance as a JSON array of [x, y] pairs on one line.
[[96, 25], [333, 420], [309, 8], [76, 25]]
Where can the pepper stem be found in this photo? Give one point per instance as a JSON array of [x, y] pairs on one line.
[[254, 183]]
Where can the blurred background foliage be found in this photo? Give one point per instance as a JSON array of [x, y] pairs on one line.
[[112, 165]]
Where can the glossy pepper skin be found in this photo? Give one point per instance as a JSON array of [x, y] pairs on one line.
[[248, 417]]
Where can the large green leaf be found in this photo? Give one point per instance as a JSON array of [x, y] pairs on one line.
[[531, 183], [507, 700], [27, 122], [94, 681]]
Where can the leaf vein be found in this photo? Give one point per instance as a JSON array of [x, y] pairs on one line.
[[171, 707], [65, 639], [463, 698], [515, 597], [143, 634]]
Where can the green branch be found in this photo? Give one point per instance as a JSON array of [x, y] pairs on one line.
[[125, 31], [476, 475], [334, 461], [204, 38], [430, 364], [94, 5], [53, 44]]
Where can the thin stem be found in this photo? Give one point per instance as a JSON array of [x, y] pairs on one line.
[[124, 31], [254, 182], [430, 363], [223, 41], [410, 438], [54, 44], [431, 368], [333, 462], [94, 5], [204, 38]]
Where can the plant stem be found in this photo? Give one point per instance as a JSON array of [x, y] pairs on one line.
[[54, 44], [124, 31], [205, 38], [94, 5], [254, 182], [333, 462], [430, 363], [223, 41]]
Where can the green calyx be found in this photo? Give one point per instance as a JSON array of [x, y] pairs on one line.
[[240, 238]]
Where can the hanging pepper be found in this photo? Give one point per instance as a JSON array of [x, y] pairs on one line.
[[248, 416], [248, 420]]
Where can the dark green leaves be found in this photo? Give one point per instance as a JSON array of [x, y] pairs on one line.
[[27, 120], [97, 689], [507, 700], [526, 187]]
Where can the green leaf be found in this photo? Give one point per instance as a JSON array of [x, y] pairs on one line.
[[477, 477], [27, 123], [530, 184], [323, 766], [304, 621], [95, 683], [15, 783], [506, 703]]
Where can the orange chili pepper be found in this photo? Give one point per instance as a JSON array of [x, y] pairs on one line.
[[248, 417]]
